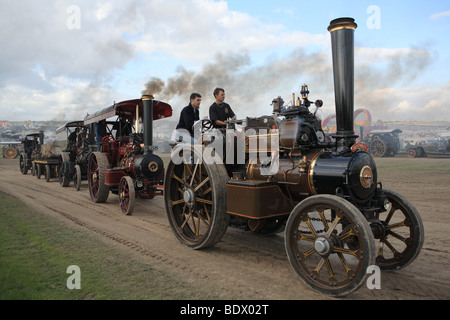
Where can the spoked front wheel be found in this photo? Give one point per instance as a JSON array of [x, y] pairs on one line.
[[195, 200], [127, 195], [329, 244]]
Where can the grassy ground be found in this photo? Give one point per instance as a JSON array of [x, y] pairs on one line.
[[398, 164], [36, 250]]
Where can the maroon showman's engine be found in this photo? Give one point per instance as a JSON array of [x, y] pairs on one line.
[[126, 164]]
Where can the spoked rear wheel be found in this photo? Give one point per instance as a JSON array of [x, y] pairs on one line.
[[329, 244], [378, 148], [96, 177], [127, 195], [195, 200], [399, 233]]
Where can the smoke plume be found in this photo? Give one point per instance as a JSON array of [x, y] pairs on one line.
[[247, 87], [250, 89]]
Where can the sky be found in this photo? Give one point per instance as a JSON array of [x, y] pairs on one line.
[[60, 60]]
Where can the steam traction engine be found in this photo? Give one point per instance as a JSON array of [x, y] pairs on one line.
[[31, 144], [74, 159], [126, 164], [338, 220]]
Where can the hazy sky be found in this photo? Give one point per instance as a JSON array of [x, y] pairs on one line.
[[63, 59]]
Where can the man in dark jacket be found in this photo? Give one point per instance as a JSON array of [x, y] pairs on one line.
[[190, 114]]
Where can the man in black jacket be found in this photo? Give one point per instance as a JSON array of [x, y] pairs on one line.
[[220, 111], [190, 114]]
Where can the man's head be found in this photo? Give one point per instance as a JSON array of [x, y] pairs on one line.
[[219, 94], [196, 99]]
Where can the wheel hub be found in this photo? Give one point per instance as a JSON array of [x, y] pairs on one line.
[[94, 177], [322, 246], [378, 229], [188, 196]]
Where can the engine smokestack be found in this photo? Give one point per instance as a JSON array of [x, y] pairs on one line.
[[147, 102], [342, 31]]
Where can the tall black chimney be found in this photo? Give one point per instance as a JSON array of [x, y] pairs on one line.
[[41, 137], [147, 103], [342, 31]]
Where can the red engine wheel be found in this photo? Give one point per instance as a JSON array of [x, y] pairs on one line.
[[98, 191], [127, 195]]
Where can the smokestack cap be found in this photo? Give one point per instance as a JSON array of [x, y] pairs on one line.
[[342, 23], [147, 97]]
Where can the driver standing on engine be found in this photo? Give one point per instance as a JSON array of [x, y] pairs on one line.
[[220, 111]]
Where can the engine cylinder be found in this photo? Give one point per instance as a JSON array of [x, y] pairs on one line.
[[318, 172]]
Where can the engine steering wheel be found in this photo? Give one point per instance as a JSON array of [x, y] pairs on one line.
[[206, 125], [108, 138]]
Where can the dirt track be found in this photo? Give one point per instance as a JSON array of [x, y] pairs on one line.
[[243, 264]]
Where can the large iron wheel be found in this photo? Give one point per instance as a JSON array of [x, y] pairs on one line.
[[378, 148], [98, 163], [329, 244], [127, 195], [23, 163], [77, 178], [33, 169], [400, 233], [63, 178], [195, 199]]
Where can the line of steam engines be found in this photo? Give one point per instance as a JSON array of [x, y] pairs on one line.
[[324, 193]]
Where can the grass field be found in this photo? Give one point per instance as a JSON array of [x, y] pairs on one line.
[[36, 250]]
